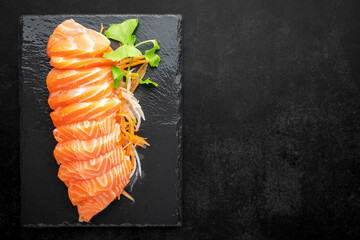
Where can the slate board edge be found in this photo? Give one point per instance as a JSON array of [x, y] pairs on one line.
[[179, 16], [179, 123], [20, 77]]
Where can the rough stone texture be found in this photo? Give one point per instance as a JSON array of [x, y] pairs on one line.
[[44, 198], [271, 119]]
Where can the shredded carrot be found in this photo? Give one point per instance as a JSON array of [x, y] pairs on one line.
[[126, 133], [128, 196], [141, 141], [129, 59], [132, 158], [128, 149], [120, 94], [133, 64], [102, 28], [136, 81], [127, 129], [128, 116], [132, 74]]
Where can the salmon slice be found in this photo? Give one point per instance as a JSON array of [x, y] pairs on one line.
[[88, 208], [85, 130], [81, 190], [82, 170], [80, 150], [81, 94], [71, 39], [58, 79], [78, 112], [71, 63]]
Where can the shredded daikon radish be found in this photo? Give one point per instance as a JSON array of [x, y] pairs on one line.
[[137, 159], [133, 108], [133, 171]]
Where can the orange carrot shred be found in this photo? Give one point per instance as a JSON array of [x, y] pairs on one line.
[[128, 196], [120, 94], [124, 61], [102, 28], [135, 63], [141, 72]]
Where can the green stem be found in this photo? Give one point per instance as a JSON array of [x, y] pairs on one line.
[[143, 43], [128, 71]]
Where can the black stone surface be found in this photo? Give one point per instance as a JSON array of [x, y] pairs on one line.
[[271, 119], [44, 198]]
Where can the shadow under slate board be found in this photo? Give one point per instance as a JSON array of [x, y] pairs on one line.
[[157, 194]]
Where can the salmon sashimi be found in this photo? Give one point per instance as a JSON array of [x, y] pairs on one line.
[[58, 79], [71, 63], [80, 190], [78, 112], [79, 150], [82, 170], [80, 94], [91, 206], [94, 122], [85, 130], [73, 40]]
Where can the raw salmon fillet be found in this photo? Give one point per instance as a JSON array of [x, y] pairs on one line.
[[67, 79], [91, 206], [83, 170], [81, 190], [79, 150], [94, 164], [78, 63], [71, 39], [81, 94], [82, 111], [85, 130]]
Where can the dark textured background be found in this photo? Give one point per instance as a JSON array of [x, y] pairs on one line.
[[271, 119]]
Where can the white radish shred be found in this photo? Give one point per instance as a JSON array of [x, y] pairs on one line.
[[137, 160], [133, 171], [134, 109]]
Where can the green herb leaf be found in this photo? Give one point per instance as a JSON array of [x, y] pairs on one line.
[[117, 76], [123, 32], [148, 82], [150, 55], [122, 52]]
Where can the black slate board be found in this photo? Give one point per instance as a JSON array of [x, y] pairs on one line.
[[44, 200]]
